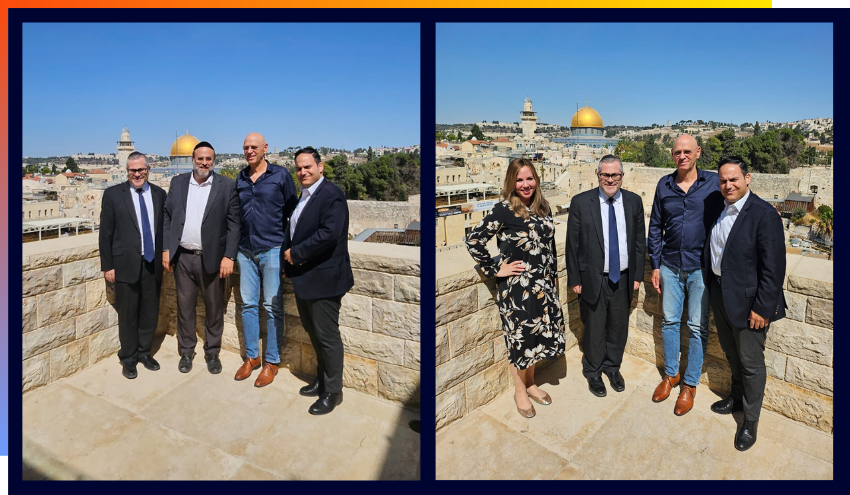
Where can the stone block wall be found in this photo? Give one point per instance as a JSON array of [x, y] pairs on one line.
[[69, 322], [381, 214], [472, 361]]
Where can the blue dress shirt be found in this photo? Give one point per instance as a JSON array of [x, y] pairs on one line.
[[266, 205], [677, 220]]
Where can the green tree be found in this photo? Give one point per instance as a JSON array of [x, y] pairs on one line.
[[757, 129], [53, 169], [808, 156], [476, 133], [651, 154], [459, 136], [45, 170], [439, 136], [339, 167], [370, 154], [71, 165], [231, 172], [452, 137]]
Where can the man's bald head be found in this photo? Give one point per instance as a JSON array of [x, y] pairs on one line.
[[685, 140], [685, 153], [255, 148]]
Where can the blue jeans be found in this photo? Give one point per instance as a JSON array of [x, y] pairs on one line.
[[675, 285], [255, 270]]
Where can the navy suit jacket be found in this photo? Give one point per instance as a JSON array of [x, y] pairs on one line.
[[120, 238], [219, 227], [321, 267], [753, 264], [586, 242]]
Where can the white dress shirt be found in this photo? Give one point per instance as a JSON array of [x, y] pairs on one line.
[[306, 194], [721, 229], [196, 203], [149, 205], [620, 213]]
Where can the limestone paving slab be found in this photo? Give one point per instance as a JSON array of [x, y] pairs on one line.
[[624, 436], [249, 471], [64, 421], [203, 426], [105, 380], [575, 414], [168, 455], [481, 448]]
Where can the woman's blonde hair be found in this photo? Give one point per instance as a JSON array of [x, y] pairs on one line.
[[539, 206]]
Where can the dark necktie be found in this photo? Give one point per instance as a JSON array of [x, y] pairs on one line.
[[613, 244], [146, 228]]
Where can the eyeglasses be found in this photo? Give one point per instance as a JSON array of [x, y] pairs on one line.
[[140, 171], [616, 177], [683, 152]]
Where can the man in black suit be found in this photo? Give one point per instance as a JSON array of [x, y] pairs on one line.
[[744, 256], [201, 229], [605, 257], [315, 258], [131, 258]]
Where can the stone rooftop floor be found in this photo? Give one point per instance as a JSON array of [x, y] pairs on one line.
[[165, 424], [623, 436]]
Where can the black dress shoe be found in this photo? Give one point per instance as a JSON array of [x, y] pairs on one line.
[[596, 386], [149, 362], [746, 436], [617, 381], [326, 403], [727, 405], [129, 371], [314, 389], [185, 364], [213, 363]]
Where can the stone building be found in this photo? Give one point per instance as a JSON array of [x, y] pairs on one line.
[[125, 147]]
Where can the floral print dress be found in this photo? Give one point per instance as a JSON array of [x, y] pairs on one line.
[[532, 321]]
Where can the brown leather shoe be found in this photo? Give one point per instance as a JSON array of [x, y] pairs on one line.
[[662, 391], [686, 399], [248, 366], [267, 375]]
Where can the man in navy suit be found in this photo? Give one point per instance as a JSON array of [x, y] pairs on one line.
[[315, 258], [744, 257], [201, 241], [131, 258]]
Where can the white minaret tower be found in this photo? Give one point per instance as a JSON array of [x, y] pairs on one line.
[[125, 147], [529, 121]]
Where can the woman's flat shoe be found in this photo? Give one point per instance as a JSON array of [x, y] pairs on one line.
[[543, 401], [525, 413]]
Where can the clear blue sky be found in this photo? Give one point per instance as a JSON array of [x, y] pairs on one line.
[[635, 74], [333, 85]]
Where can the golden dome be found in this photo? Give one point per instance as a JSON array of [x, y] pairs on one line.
[[586, 117], [184, 145]]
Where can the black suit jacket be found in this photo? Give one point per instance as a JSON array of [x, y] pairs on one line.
[[321, 267], [220, 224], [753, 264], [586, 242], [120, 233]]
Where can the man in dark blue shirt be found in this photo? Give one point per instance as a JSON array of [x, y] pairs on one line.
[[677, 219], [266, 198]]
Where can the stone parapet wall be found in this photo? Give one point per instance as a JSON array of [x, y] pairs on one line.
[[381, 214], [472, 364], [643, 180], [69, 322]]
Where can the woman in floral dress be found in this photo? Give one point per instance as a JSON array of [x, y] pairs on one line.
[[526, 273]]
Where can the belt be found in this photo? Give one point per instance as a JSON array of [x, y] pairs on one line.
[[193, 251]]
